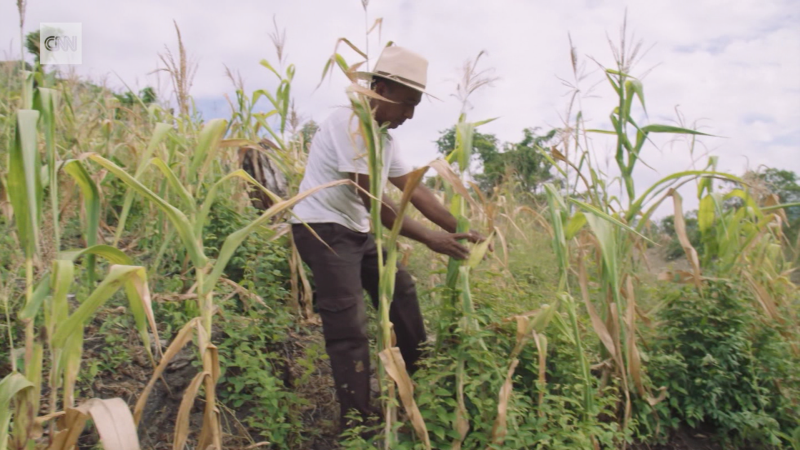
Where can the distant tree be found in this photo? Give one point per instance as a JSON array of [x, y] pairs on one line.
[[521, 161], [307, 133], [32, 44], [530, 167], [673, 249], [148, 95], [784, 183], [130, 100]]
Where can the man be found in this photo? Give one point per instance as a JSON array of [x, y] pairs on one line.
[[340, 216]]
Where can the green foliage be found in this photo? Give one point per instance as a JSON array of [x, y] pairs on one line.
[[259, 264], [520, 163], [673, 248], [251, 380], [786, 185], [723, 367]]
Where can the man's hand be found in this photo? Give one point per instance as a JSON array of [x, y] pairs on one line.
[[475, 237], [447, 243]]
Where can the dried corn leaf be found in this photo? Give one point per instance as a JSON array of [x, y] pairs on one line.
[[182, 338], [396, 368], [13, 386], [182, 422], [499, 429], [680, 230], [462, 416], [111, 417], [597, 322], [634, 361], [764, 299], [446, 172]]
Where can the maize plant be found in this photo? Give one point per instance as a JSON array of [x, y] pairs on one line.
[[613, 234], [62, 330], [188, 221]]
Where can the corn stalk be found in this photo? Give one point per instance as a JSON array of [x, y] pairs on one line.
[[188, 221]]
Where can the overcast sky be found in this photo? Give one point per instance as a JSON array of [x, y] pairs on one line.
[[733, 67]]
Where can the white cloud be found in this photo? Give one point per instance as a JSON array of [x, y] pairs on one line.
[[733, 66]]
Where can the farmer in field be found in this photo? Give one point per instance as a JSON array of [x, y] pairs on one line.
[[340, 216]]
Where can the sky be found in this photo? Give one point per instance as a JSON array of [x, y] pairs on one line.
[[731, 68]]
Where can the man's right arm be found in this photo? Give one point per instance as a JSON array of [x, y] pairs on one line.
[[438, 241]]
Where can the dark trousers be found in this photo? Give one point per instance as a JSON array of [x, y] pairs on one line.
[[340, 280]]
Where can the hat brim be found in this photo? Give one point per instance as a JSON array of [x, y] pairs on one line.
[[369, 75]]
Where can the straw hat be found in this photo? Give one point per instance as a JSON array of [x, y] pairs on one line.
[[402, 66]]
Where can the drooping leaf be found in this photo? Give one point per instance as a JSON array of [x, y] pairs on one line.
[[159, 133], [13, 385], [671, 129], [207, 144], [91, 205], [24, 181], [179, 220]]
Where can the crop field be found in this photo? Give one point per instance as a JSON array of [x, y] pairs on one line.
[[151, 296]]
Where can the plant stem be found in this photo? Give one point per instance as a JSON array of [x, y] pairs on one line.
[[29, 332], [8, 328]]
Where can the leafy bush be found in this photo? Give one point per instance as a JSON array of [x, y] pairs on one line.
[[723, 367], [251, 383]]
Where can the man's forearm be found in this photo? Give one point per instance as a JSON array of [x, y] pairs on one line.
[[410, 228], [427, 203]]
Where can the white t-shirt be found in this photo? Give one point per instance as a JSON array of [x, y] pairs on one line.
[[336, 150]]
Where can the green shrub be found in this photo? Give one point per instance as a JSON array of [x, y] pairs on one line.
[[725, 369]]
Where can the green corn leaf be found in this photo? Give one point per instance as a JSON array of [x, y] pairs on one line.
[[111, 254], [613, 133], [637, 88], [24, 181], [28, 78], [340, 61], [539, 323], [39, 295], [664, 184], [45, 102], [70, 363], [464, 138], [557, 207], [614, 84], [670, 129], [57, 308], [628, 99], [604, 232], [606, 217], [574, 225], [705, 213], [91, 205], [117, 277], [141, 307], [484, 122], [781, 206], [182, 225], [479, 251], [266, 64], [176, 185], [159, 133], [211, 196], [207, 145]]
